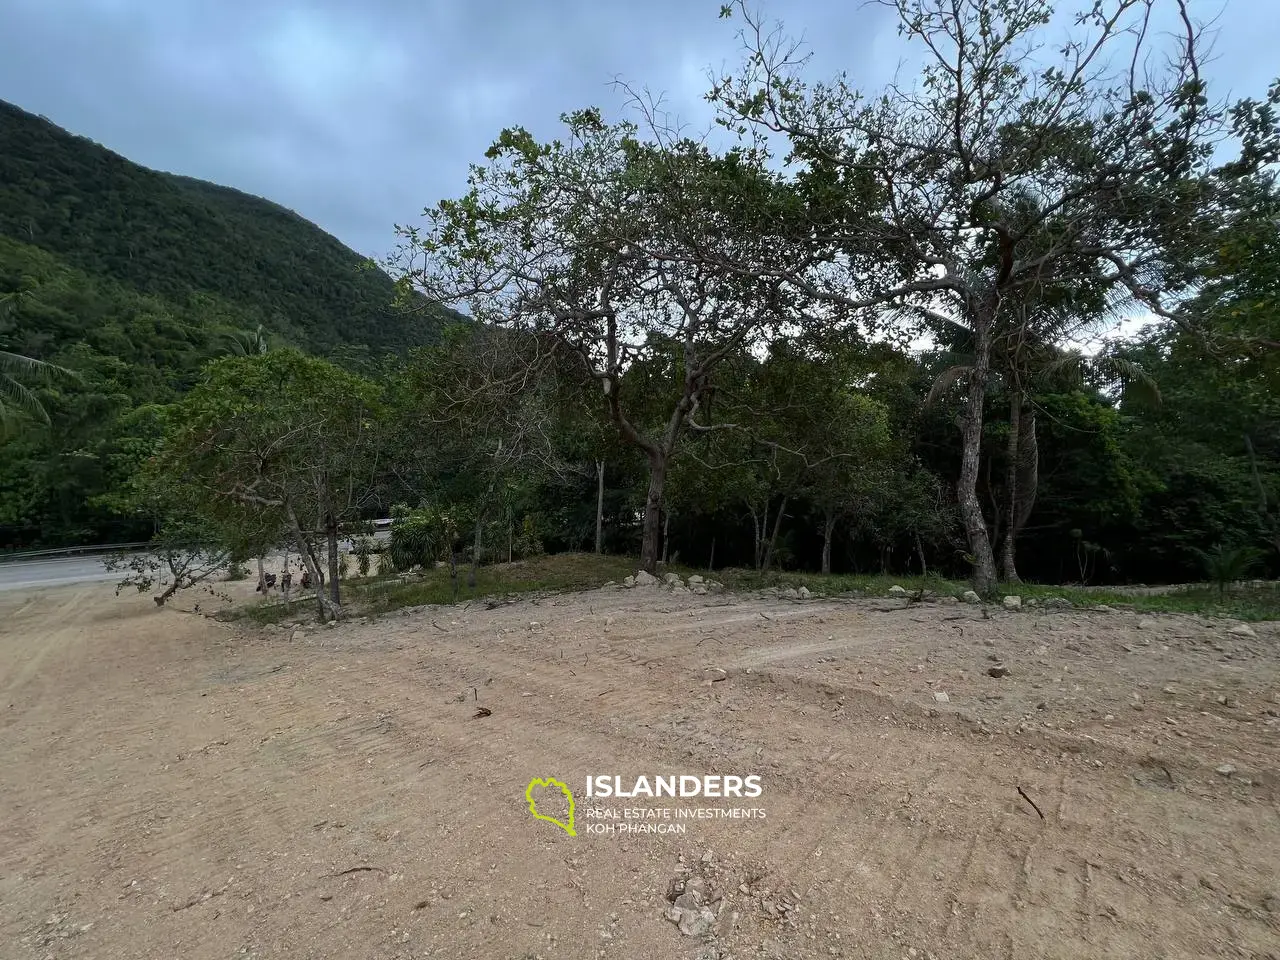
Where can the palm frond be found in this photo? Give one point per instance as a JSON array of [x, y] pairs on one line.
[[18, 399], [946, 380], [1135, 382], [14, 364]]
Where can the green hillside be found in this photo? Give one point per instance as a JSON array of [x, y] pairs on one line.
[[175, 237], [132, 279]]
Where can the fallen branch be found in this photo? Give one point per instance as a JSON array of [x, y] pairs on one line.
[[351, 870], [1023, 793]]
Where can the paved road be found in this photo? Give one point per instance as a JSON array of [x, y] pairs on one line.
[[63, 571], [27, 574]]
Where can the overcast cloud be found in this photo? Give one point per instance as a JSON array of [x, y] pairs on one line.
[[358, 113]]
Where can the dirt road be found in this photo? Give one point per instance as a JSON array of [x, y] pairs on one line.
[[174, 787]]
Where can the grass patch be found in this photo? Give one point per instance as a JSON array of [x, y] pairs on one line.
[[568, 572], [1242, 602], [559, 573], [300, 608], [1238, 603], [832, 584]]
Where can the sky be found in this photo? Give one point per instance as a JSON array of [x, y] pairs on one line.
[[359, 113]]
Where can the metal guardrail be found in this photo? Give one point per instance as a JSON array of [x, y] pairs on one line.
[[57, 552]]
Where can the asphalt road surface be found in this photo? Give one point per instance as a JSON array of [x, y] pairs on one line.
[[29, 574], [63, 571]]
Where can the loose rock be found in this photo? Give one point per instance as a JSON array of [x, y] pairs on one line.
[[1226, 770], [998, 671], [971, 596], [941, 697], [1242, 630], [645, 579], [1012, 603], [897, 591]]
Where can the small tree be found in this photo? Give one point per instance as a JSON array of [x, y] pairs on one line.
[[181, 555], [278, 440], [1226, 564]]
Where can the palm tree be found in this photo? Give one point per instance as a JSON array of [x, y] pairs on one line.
[[17, 401], [249, 343]]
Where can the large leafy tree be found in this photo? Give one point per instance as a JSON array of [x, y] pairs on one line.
[[615, 247], [1118, 159]]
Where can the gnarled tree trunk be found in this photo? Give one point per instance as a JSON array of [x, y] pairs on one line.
[[975, 525], [327, 608], [1008, 546], [653, 512]]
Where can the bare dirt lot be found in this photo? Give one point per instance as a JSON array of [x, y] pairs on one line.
[[177, 787]]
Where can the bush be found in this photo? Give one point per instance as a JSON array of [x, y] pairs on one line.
[[529, 541], [364, 548], [421, 537], [237, 570]]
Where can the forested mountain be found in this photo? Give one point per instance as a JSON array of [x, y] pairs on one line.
[[130, 280], [178, 238]]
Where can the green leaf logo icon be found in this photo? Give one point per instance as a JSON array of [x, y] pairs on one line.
[[533, 804]]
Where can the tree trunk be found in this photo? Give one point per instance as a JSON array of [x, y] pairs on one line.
[[653, 513], [1028, 467], [924, 566], [262, 576], [711, 563], [975, 526], [331, 531], [759, 524], [828, 529], [325, 605], [476, 549], [773, 539], [1008, 546], [666, 537], [599, 506], [169, 592]]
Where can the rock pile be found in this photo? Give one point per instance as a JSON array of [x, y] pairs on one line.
[[671, 581]]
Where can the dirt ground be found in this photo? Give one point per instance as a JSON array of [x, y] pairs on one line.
[[178, 787]]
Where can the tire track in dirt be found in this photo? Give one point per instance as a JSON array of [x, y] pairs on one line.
[[228, 776]]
